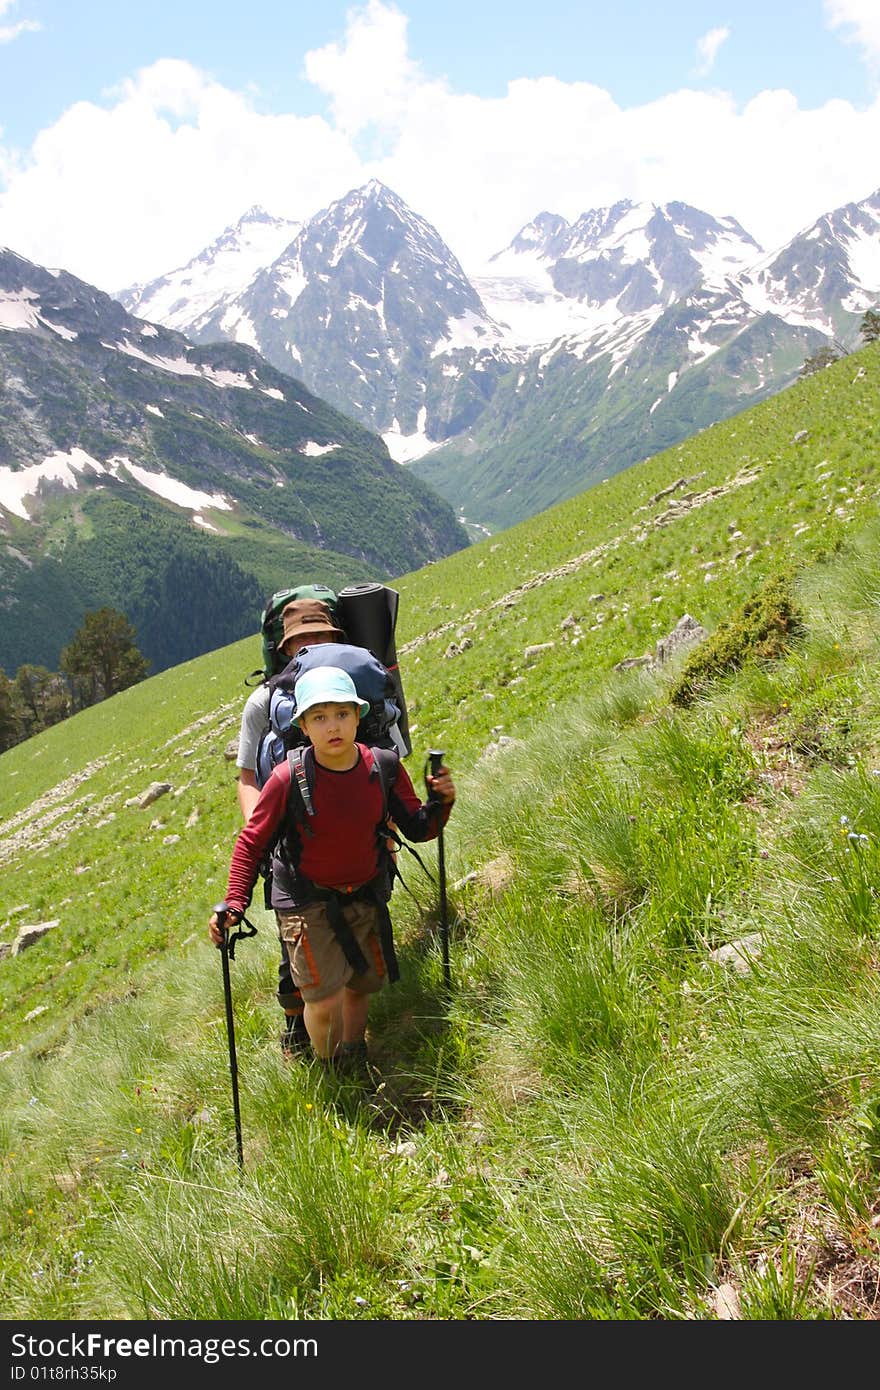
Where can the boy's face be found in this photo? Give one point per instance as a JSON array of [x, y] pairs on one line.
[[331, 729]]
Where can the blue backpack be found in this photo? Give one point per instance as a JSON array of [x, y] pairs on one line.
[[379, 727]]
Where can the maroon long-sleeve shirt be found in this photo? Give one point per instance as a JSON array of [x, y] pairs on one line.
[[342, 850]]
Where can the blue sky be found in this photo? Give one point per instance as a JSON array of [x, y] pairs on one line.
[[637, 51], [132, 134]]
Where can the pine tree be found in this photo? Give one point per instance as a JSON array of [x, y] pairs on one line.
[[10, 728], [819, 360], [870, 326], [41, 698], [102, 657]]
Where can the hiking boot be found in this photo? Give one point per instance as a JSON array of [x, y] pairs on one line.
[[295, 1040], [352, 1060]]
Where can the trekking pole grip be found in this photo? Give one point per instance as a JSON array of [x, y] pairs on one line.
[[221, 912], [435, 762]]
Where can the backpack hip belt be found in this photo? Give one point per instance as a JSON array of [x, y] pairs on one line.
[[335, 900]]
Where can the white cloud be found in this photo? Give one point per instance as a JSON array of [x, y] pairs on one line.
[[707, 49], [863, 18], [134, 187], [8, 32], [480, 169], [131, 189], [370, 79]]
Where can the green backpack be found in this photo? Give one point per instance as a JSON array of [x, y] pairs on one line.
[[272, 624]]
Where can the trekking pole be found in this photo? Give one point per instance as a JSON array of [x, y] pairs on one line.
[[435, 758], [222, 910]]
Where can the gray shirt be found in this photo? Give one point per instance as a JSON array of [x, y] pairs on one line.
[[254, 723]]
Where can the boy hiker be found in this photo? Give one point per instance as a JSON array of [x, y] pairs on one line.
[[330, 882], [307, 622]]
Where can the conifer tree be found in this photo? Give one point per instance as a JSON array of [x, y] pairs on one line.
[[819, 361], [41, 698], [9, 722], [870, 326], [102, 657]]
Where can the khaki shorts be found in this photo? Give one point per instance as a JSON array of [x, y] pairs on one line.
[[317, 961]]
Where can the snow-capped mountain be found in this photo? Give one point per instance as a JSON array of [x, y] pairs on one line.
[[184, 296], [369, 307], [557, 279], [624, 312], [674, 336], [825, 275]]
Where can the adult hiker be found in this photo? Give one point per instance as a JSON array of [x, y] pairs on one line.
[[307, 622], [330, 879]]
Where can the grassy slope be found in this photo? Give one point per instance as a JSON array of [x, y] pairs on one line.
[[579, 426], [604, 1039], [651, 563]]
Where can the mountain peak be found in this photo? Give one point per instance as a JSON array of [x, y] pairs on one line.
[[257, 213], [373, 194], [221, 270], [377, 189]]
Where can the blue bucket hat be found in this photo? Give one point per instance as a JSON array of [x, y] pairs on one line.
[[326, 685]]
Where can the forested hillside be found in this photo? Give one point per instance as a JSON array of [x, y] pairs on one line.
[[179, 485]]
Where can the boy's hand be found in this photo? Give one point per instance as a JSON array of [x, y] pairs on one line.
[[441, 786], [221, 917], [391, 841]]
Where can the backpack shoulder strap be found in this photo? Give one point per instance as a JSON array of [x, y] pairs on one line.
[[288, 838], [387, 761], [299, 779]]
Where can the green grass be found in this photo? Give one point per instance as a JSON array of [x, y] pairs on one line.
[[603, 1120]]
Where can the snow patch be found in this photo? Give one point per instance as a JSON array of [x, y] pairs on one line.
[[291, 284], [66, 333], [403, 448], [699, 349], [724, 257], [16, 485], [181, 367], [312, 450], [65, 469], [469, 330], [17, 310], [864, 260], [171, 489], [240, 327], [226, 378], [357, 301]]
